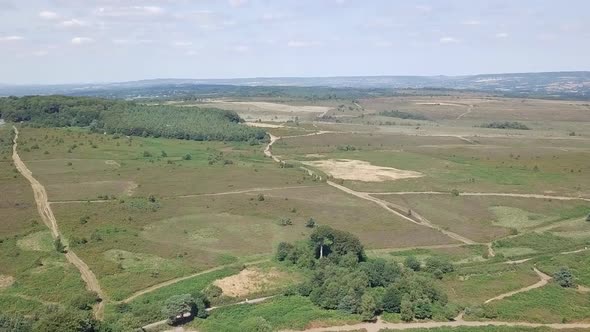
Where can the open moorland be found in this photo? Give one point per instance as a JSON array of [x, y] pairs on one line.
[[480, 203]]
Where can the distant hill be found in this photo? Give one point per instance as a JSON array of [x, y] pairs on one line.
[[569, 85]]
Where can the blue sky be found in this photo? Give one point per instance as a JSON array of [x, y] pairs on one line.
[[64, 41]]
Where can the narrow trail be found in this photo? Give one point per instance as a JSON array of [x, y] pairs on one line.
[[44, 209], [179, 279], [469, 110], [379, 325], [544, 280], [539, 196]]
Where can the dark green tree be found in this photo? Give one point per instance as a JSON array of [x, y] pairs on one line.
[[412, 263], [392, 299], [564, 277], [179, 308]]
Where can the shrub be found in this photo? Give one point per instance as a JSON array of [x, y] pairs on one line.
[[260, 198], [310, 223], [506, 125], [255, 324], [59, 246], [406, 309], [147, 154], [177, 306], [455, 192], [564, 277], [187, 157], [412, 263]]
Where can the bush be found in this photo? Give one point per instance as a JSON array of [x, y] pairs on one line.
[[564, 277], [412, 263], [403, 115], [85, 301], [147, 154], [187, 157], [59, 246], [260, 197], [255, 324], [505, 125], [438, 263], [310, 223]]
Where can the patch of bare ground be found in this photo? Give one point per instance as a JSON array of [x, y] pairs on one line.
[[6, 281], [263, 125], [112, 163], [359, 170], [249, 281]]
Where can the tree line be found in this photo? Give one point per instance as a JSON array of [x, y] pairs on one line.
[[128, 118]]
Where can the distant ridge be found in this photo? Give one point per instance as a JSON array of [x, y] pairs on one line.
[[568, 84]]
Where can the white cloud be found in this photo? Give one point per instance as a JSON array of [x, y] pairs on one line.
[[502, 35], [132, 41], [241, 48], [182, 43], [383, 43], [129, 11], [237, 3], [448, 40], [40, 53], [424, 8], [48, 15], [73, 23], [11, 38], [82, 40], [471, 22], [301, 43]]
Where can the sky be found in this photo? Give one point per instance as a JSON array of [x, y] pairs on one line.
[[75, 41]]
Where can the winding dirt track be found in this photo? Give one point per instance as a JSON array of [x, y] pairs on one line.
[[48, 218], [175, 280], [544, 280]]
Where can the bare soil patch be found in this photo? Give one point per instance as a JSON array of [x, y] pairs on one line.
[[359, 170], [249, 281], [263, 125], [6, 281], [112, 163]]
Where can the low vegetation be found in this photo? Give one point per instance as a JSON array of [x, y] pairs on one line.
[[403, 115], [506, 125]]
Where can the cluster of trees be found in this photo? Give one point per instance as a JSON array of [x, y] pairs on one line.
[[506, 125], [343, 278], [182, 123], [56, 111], [128, 118], [403, 115]]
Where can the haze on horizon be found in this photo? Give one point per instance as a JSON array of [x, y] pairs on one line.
[[67, 41]]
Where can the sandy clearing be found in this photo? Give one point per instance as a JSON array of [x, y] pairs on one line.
[[266, 106], [35, 242], [263, 125], [6, 281], [249, 281], [441, 104], [359, 170]]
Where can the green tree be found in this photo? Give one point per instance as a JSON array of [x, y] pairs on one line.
[[283, 250], [187, 157], [406, 309], [368, 307], [179, 306], [85, 301], [564, 277], [423, 309], [391, 299], [350, 303], [310, 223], [255, 324], [412, 263], [442, 264]]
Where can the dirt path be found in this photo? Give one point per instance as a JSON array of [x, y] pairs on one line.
[[544, 280], [379, 325], [48, 218], [559, 198], [175, 280], [469, 109]]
